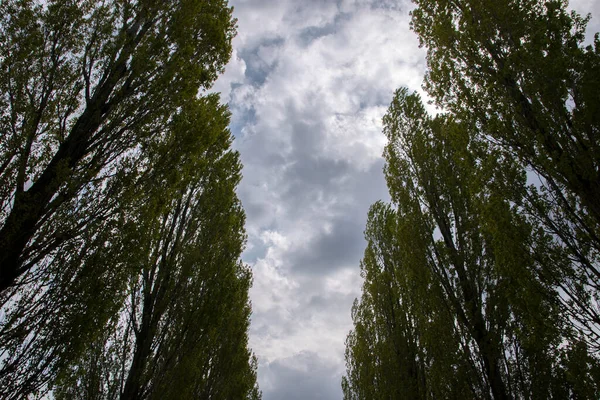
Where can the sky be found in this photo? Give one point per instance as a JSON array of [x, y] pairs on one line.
[[307, 85]]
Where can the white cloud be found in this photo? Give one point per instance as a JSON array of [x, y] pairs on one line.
[[234, 74], [308, 86]]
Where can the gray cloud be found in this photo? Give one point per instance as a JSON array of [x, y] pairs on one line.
[[340, 247], [259, 60], [303, 376], [307, 86]]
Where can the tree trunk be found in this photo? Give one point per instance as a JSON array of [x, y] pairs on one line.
[[29, 207]]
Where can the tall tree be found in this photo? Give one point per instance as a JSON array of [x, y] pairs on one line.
[[182, 329], [462, 291], [520, 72], [520, 69], [157, 294], [120, 231], [83, 84]]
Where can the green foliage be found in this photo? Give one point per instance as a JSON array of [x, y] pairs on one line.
[[181, 331], [519, 72], [120, 229], [461, 298], [84, 84], [482, 278]]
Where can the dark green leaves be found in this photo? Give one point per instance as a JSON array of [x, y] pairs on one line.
[[462, 292], [502, 195], [120, 230], [83, 86]]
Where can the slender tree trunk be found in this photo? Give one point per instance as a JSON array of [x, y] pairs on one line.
[[132, 389], [475, 321], [143, 344]]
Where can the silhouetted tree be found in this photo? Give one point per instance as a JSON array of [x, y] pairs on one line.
[[462, 291], [83, 84], [518, 71]]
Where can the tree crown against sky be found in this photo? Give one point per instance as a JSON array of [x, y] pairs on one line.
[[83, 85], [121, 231], [181, 330], [457, 300], [502, 274], [520, 73], [300, 130]]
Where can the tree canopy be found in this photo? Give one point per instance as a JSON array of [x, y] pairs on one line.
[[461, 296], [82, 85], [519, 71], [481, 277], [121, 233], [181, 331]]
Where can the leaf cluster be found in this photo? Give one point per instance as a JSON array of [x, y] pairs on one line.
[[120, 229]]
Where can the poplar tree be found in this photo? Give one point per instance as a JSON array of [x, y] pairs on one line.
[[520, 72], [94, 102], [462, 291], [520, 69], [181, 332], [83, 84], [159, 296], [491, 242]]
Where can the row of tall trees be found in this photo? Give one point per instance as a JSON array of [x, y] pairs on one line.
[[481, 277], [121, 235]]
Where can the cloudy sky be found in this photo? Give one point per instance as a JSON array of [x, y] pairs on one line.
[[308, 83]]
